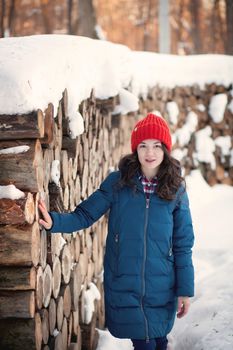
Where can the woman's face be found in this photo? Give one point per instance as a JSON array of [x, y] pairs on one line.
[[150, 156]]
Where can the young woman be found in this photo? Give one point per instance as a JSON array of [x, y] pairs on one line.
[[148, 271]]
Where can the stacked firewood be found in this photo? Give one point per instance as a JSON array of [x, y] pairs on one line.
[[51, 288], [197, 100]]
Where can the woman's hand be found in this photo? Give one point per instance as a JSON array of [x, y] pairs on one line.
[[183, 306], [46, 221]]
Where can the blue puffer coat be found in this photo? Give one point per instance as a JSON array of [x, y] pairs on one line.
[[148, 261]]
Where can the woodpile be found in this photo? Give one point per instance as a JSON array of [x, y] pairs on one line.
[[194, 99], [44, 278]]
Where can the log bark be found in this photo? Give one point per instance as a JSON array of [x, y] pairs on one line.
[[17, 278], [66, 264], [18, 304], [52, 316], [17, 212], [90, 335], [45, 325], [64, 332], [47, 285], [19, 246], [59, 301], [66, 295], [49, 126], [56, 276], [43, 248], [59, 342], [24, 126], [75, 286], [21, 334], [16, 167]]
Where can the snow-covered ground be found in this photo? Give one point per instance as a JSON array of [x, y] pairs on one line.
[[209, 324]]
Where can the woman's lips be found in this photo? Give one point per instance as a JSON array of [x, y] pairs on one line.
[[150, 160]]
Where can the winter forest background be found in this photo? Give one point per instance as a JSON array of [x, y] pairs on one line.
[[201, 32], [195, 27]]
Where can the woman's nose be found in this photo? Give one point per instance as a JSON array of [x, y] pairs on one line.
[[149, 151]]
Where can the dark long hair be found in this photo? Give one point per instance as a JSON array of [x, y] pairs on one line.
[[169, 174]]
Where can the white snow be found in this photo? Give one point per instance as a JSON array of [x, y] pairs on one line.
[[90, 295], [208, 324], [224, 142], [35, 70], [171, 70], [76, 125], [201, 107], [11, 192], [205, 147], [184, 133], [128, 103], [15, 150], [217, 107], [55, 172], [30, 79], [101, 34], [173, 112], [55, 332], [179, 154]]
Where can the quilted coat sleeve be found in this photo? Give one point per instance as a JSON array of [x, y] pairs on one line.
[[183, 239], [87, 212]]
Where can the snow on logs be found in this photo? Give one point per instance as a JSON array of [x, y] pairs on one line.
[[44, 278]]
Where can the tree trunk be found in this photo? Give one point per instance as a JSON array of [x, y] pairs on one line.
[[18, 304], [20, 211], [86, 19], [17, 278], [164, 27], [2, 14], [229, 24], [195, 9], [16, 167], [28, 126], [20, 246], [21, 333]]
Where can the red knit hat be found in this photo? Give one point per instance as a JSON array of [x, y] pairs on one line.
[[151, 127]]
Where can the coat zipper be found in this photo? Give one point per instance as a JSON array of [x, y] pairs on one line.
[[143, 268]]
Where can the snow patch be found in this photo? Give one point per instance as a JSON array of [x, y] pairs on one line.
[[205, 147], [179, 154], [90, 295], [173, 112], [55, 172], [15, 150], [11, 192], [128, 103], [184, 133], [200, 107], [217, 107], [224, 142]]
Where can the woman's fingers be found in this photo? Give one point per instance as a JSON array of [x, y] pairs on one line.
[[183, 306], [46, 221]]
